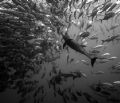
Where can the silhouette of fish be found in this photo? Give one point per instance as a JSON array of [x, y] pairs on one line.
[[112, 7], [110, 38], [89, 98], [108, 15]]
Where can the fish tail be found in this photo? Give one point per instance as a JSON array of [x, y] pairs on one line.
[[93, 60]]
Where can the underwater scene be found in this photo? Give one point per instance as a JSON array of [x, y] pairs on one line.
[[59, 51]]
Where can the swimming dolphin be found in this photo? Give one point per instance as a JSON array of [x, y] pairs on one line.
[[77, 47]]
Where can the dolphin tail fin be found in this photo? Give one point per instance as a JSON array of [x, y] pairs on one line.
[[93, 60], [103, 41]]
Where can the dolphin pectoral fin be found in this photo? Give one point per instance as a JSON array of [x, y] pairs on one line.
[[64, 45], [93, 60]]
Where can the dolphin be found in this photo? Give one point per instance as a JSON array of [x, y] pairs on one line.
[[77, 47]]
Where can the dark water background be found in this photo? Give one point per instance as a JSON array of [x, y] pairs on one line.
[[11, 96]]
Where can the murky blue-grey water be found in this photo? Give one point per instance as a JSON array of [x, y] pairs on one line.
[[11, 96]]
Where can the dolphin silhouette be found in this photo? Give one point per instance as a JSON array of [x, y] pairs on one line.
[[77, 47]]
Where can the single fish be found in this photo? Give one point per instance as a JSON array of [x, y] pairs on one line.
[[74, 97], [89, 1], [99, 46], [94, 38], [80, 36], [79, 93], [85, 62], [94, 13], [88, 8], [114, 26], [77, 62], [93, 35], [75, 13], [105, 93], [68, 58], [68, 75], [103, 61], [83, 40], [83, 3], [89, 24], [71, 60], [95, 87], [84, 75], [107, 84], [96, 7], [94, 51], [96, 1], [108, 15], [112, 58], [89, 98], [85, 44], [99, 72], [81, 24], [110, 38], [70, 16], [84, 34], [116, 82], [80, 14], [106, 54], [102, 57], [77, 47]]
